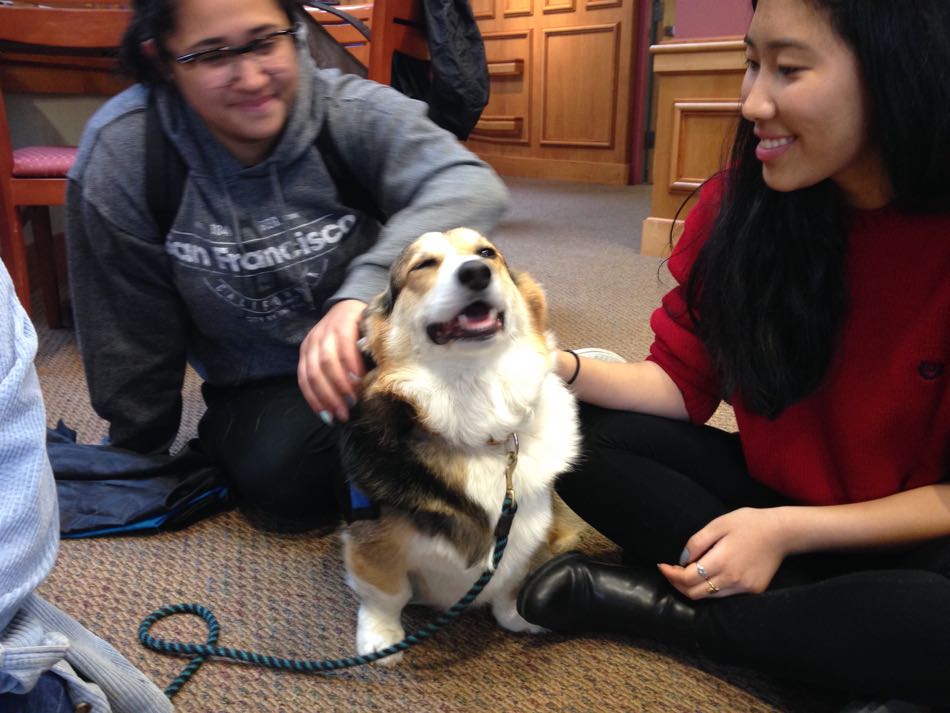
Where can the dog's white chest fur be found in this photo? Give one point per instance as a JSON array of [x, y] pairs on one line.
[[547, 445], [468, 407]]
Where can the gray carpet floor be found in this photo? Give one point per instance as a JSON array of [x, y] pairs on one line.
[[285, 594]]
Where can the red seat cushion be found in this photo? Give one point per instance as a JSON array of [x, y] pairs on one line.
[[43, 161]]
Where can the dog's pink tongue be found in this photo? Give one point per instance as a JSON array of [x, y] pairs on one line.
[[476, 316], [482, 322]]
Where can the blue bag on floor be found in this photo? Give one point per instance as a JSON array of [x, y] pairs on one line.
[[104, 490]]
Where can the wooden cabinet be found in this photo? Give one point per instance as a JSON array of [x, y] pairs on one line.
[[561, 75], [697, 109]]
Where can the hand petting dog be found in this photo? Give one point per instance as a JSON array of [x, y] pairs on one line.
[[331, 367]]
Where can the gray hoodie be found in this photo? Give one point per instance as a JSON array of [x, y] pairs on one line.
[[256, 255]]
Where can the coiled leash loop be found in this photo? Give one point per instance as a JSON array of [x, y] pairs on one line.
[[201, 652]]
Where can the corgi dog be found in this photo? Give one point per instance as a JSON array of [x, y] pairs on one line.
[[463, 365]]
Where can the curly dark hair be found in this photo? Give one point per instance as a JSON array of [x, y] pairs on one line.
[[768, 289]]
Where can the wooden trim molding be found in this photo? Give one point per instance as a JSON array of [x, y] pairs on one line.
[[711, 56], [679, 47], [507, 68], [559, 169], [558, 6], [508, 126]]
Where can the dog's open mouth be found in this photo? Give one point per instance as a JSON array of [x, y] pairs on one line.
[[478, 321]]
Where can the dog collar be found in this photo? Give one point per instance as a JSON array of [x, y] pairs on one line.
[[503, 526]]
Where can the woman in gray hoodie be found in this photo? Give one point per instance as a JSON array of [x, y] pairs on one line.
[[261, 277]]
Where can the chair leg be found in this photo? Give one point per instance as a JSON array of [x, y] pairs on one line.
[[13, 251], [46, 265]]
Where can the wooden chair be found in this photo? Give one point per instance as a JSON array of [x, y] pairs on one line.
[[47, 50], [397, 25], [345, 34]]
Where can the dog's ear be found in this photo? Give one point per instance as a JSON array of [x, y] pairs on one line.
[[382, 304], [373, 321], [534, 297]]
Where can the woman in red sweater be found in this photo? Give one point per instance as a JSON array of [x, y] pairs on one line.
[[814, 297]]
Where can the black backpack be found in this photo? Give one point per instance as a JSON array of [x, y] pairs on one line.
[[454, 80]]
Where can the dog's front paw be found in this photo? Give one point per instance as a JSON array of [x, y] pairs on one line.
[[506, 614], [373, 634]]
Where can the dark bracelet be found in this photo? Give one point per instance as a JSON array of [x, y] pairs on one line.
[[577, 366]]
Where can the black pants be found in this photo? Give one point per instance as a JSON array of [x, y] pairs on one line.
[[870, 625], [279, 458]]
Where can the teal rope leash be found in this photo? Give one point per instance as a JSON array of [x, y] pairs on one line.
[[201, 652]]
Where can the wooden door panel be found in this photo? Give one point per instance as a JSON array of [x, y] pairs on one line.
[[580, 86], [560, 73], [700, 141]]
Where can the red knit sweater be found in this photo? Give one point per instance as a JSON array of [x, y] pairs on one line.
[[880, 421]]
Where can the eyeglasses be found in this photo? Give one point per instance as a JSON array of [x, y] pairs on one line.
[[266, 51]]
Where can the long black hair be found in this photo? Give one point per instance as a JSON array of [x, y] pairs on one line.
[[768, 288], [156, 20]]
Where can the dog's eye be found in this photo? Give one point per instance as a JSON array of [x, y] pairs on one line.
[[487, 253], [430, 262]]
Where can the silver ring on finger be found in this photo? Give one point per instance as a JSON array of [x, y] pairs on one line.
[[705, 575]]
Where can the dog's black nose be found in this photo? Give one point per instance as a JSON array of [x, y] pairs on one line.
[[474, 274]]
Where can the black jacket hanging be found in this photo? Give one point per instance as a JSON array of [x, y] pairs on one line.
[[454, 82]]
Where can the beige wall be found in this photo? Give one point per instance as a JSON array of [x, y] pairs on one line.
[[711, 18], [48, 119]]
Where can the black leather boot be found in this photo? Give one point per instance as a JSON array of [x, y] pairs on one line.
[[573, 594]]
